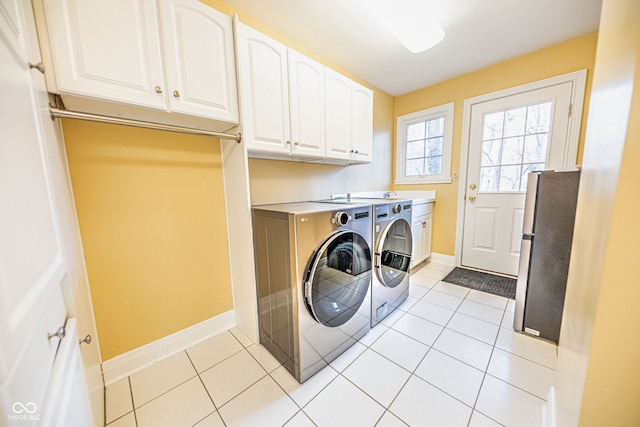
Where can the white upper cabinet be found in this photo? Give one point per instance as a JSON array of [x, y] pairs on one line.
[[197, 41], [362, 123], [295, 108], [306, 102], [107, 49], [338, 115], [263, 88], [113, 50]]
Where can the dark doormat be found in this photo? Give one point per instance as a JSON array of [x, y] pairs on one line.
[[485, 282]]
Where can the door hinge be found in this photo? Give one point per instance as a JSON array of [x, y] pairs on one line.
[[570, 109]]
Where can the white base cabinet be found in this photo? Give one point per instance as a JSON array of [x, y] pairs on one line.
[[294, 108], [166, 60], [421, 228]]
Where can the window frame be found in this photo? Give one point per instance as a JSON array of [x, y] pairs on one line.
[[402, 122]]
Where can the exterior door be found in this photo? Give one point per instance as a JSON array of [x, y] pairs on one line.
[[37, 296], [338, 279], [509, 138]]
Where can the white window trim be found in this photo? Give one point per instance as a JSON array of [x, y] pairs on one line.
[[445, 111]]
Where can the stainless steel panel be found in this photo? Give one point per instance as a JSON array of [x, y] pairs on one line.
[[530, 203], [521, 286], [285, 237]]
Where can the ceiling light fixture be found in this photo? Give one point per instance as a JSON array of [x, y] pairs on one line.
[[409, 21]]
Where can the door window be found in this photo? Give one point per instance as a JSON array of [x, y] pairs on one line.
[[338, 278], [515, 142], [395, 253]]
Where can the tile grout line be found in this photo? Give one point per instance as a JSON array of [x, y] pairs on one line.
[[133, 403], [206, 390], [422, 360], [484, 376]]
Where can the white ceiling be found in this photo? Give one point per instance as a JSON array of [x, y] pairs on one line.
[[478, 33]]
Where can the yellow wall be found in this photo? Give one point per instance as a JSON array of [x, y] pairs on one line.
[[598, 372], [151, 211], [152, 215], [572, 55]]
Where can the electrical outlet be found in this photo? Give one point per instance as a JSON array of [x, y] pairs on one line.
[[455, 175]]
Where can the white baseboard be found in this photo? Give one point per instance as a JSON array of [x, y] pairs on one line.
[[132, 361], [443, 259]]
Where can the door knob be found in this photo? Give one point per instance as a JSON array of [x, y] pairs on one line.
[[473, 186], [472, 198], [86, 340]]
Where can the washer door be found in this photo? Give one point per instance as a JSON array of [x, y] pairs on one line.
[[394, 253], [338, 278]]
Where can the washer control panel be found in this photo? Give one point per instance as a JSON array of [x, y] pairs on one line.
[[341, 218]]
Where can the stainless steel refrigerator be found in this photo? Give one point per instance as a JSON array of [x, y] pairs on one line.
[[545, 250]]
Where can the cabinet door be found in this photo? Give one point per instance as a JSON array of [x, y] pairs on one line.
[[337, 115], [263, 86], [425, 238], [10, 25], [108, 49], [200, 65], [416, 242], [362, 127], [306, 102]]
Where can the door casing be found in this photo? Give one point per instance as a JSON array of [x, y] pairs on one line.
[[579, 80]]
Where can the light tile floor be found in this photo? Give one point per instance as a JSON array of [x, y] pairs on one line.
[[448, 357]]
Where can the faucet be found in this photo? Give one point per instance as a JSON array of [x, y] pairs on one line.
[[387, 194]]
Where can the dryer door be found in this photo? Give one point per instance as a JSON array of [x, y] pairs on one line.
[[338, 277], [393, 253]]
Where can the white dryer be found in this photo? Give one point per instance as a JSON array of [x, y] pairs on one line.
[[313, 273]]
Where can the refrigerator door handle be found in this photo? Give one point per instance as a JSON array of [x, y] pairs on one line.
[[523, 281]]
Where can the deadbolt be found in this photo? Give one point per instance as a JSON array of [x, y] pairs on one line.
[[473, 186]]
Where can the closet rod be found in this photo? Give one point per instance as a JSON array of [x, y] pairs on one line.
[[60, 113]]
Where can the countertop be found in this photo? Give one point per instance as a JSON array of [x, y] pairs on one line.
[[426, 196]]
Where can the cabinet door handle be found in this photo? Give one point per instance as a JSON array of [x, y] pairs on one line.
[[424, 224], [176, 94], [60, 333], [37, 66], [296, 143], [158, 89]]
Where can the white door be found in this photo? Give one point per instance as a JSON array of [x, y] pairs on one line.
[[509, 138], [108, 49], [362, 123], [201, 77], [34, 270], [264, 92], [306, 101], [337, 115]]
